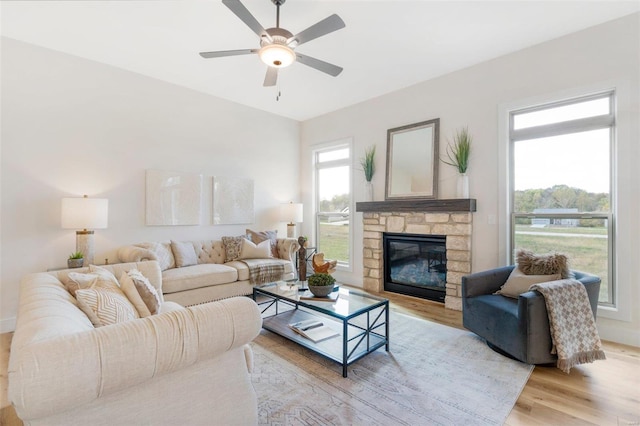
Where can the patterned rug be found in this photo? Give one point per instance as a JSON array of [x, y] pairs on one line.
[[433, 375]]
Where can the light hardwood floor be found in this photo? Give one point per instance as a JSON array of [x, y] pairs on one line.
[[601, 393]]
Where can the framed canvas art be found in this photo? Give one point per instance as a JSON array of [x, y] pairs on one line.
[[232, 201], [173, 198]]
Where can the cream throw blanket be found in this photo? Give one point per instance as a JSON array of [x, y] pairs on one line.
[[262, 271], [573, 329]]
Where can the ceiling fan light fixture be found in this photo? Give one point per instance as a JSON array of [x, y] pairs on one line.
[[277, 55]]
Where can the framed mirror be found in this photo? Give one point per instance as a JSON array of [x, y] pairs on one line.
[[412, 161]]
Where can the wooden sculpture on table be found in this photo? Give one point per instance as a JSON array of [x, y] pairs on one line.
[[302, 259], [323, 266]]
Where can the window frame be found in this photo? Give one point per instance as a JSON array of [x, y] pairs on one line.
[[598, 122], [317, 166]]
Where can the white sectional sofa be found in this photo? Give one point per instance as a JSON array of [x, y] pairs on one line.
[[200, 271], [186, 366]]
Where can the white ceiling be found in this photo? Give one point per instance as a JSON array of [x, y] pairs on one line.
[[386, 45]]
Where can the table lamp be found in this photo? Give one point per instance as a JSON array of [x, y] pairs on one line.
[[85, 214], [291, 213]]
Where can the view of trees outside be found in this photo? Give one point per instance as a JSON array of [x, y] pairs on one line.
[[558, 180], [560, 197]]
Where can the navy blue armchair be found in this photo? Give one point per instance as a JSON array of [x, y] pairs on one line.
[[518, 328]]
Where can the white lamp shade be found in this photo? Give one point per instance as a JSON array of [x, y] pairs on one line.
[[85, 213], [291, 212]]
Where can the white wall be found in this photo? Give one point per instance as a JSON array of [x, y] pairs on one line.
[[602, 56], [72, 126]]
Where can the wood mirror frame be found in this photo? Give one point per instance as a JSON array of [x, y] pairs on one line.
[[412, 161]]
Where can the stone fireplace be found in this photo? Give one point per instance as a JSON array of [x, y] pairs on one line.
[[451, 218]]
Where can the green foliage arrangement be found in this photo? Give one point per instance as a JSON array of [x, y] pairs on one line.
[[368, 164], [321, 279], [458, 152], [76, 255]]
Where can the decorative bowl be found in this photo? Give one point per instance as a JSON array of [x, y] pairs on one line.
[[321, 290]]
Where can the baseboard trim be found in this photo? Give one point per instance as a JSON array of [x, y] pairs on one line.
[[8, 325], [618, 335]]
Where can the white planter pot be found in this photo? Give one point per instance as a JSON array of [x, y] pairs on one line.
[[463, 186], [368, 191]]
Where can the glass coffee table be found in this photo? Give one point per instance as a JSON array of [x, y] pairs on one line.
[[361, 321]]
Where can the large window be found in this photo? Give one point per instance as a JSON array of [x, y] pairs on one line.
[[333, 201], [561, 197]]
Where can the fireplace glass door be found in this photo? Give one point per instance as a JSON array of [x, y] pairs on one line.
[[415, 265]]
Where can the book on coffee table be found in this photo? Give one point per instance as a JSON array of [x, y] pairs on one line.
[[313, 329], [332, 297]]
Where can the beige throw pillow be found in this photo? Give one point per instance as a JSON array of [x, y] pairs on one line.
[[184, 254], [105, 307], [535, 264], [163, 253], [233, 247], [258, 237], [146, 291], [97, 276], [253, 251], [519, 283], [131, 291]]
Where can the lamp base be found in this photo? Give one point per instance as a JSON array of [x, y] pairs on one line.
[[291, 230], [84, 244]]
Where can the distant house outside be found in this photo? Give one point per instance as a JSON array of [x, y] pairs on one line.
[[556, 221]]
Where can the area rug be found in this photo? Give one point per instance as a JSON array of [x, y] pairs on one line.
[[432, 375]]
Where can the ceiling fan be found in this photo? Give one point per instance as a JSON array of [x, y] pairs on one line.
[[277, 44]]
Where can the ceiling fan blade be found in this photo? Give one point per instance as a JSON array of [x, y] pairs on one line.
[[222, 53], [323, 66], [272, 77], [326, 26], [245, 16]]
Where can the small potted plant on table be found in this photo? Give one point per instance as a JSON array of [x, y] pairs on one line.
[[321, 284], [76, 260]]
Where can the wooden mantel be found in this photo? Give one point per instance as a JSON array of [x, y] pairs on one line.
[[438, 206]]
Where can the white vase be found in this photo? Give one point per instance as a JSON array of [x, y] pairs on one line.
[[463, 186], [368, 191]]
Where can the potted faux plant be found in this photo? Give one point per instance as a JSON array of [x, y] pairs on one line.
[[321, 284], [75, 260], [369, 168], [458, 156]]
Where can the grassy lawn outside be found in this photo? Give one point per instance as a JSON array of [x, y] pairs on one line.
[[334, 241]]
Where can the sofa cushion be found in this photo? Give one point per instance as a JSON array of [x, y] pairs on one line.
[[243, 269], [163, 254], [548, 264], [258, 237], [196, 276], [105, 306], [251, 250], [233, 247], [96, 276], [184, 254], [519, 283], [130, 290], [147, 292]]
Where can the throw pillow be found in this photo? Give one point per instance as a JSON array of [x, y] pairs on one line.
[[76, 281], [131, 291], [258, 237], [233, 247], [518, 282], [146, 291], [97, 276], [163, 253], [533, 264], [253, 251], [184, 253], [105, 307]]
